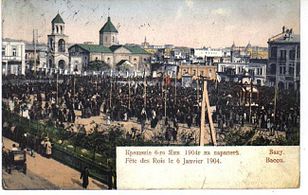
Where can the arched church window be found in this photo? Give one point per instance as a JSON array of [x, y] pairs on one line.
[[57, 28], [61, 29], [112, 38], [61, 45]]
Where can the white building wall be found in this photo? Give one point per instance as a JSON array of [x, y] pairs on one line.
[[10, 56]]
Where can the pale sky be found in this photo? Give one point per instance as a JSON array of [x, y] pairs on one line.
[[192, 23]]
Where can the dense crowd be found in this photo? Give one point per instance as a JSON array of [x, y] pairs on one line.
[[148, 100]]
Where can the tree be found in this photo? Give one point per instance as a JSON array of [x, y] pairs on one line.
[[97, 65]]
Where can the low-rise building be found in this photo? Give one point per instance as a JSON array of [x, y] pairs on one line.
[[197, 70], [41, 57], [243, 72], [13, 57]]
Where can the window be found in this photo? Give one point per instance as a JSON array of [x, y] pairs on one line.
[[283, 54], [61, 45], [145, 59], [113, 39], [273, 52], [292, 54], [201, 72], [106, 39], [135, 59], [298, 51], [282, 69], [291, 71], [14, 52], [194, 73], [108, 59], [260, 71], [3, 51]]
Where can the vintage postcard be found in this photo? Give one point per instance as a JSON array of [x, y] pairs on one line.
[[155, 94]]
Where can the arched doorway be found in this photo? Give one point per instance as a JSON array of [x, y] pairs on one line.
[[61, 64], [61, 45]]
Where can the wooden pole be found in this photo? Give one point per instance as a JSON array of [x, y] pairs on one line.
[[74, 90], [209, 112], [276, 87], [197, 85], [145, 90], [175, 81], [202, 126], [57, 88], [129, 92], [250, 97], [110, 93]]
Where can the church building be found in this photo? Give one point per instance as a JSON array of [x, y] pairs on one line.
[[108, 52]]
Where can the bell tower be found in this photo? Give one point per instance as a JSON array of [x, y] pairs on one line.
[[108, 35], [57, 50]]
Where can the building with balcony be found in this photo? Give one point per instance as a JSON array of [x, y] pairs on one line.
[[284, 60]]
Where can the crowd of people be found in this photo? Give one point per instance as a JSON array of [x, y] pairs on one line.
[[147, 99]]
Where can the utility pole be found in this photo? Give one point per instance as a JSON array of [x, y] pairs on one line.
[[250, 97], [110, 93], [145, 89], [175, 82], [35, 34], [57, 88], [276, 87], [197, 84], [129, 92]]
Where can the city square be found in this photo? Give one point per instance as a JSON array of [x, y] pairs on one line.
[[70, 104]]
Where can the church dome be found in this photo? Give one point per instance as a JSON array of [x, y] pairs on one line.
[[58, 19], [108, 27]]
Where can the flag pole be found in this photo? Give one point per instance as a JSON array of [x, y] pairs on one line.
[[175, 81], [145, 89], [110, 92], [129, 80]]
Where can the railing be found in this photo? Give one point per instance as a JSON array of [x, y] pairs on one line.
[[98, 171], [61, 153]]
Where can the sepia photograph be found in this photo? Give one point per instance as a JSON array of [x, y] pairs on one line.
[[93, 90]]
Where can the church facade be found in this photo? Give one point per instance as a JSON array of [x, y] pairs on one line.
[[57, 50], [108, 51]]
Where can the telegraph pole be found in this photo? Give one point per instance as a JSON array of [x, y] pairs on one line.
[[145, 89], [129, 92], [35, 34]]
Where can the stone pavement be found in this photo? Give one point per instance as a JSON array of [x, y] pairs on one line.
[[58, 174]]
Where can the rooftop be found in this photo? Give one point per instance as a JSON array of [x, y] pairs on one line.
[[134, 49], [94, 48], [108, 27], [57, 19]]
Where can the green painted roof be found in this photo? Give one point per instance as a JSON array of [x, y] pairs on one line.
[[134, 49], [115, 47], [57, 19], [95, 48], [108, 27]]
